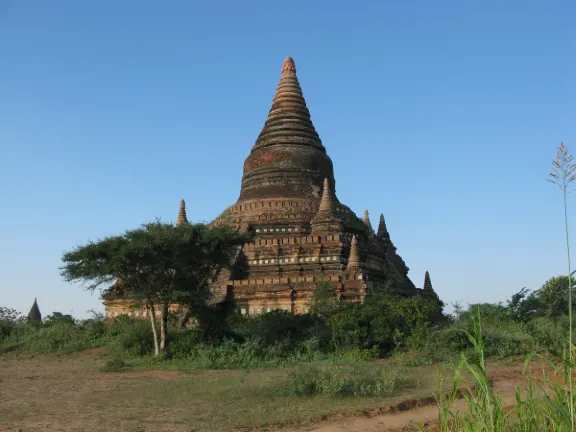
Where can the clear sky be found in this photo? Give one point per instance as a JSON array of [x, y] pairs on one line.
[[443, 115]]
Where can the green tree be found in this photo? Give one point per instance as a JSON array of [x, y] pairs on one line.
[[8, 319], [525, 305], [58, 318], [384, 321], [158, 265], [487, 310], [554, 295]]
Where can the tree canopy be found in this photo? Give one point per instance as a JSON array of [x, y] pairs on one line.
[[157, 264]]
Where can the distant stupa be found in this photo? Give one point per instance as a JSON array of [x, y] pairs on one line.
[[34, 315]]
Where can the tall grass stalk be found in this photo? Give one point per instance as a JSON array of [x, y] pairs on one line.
[[542, 403], [563, 173]]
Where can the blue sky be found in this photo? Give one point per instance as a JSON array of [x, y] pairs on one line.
[[443, 115]]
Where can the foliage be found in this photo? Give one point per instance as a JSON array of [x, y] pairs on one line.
[[8, 320], [274, 327], [383, 322], [324, 303], [543, 405], [525, 305], [115, 364], [357, 380], [554, 295], [158, 264], [59, 339], [129, 337], [57, 318]]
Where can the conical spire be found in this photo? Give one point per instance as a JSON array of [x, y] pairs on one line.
[[367, 220], [289, 120], [34, 315], [382, 230], [327, 203], [427, 282], [354, 259], [182, 214], [288, 159]]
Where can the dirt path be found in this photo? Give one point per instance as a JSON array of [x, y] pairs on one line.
[[405, 420]]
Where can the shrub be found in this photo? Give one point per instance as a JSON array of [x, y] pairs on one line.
[[9, 318], [59, 339], [346, 380], [505, 338], [274, 327], [384, 322], [429, 345], [128, 336]]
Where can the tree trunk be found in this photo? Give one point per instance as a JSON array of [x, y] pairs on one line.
[[184, 318], [163, 325], [154, 331]]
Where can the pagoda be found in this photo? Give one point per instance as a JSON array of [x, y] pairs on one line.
[[303, 234]]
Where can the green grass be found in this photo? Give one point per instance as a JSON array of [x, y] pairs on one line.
[[358, 380], [222, 400], [213, 401], [543, 404]]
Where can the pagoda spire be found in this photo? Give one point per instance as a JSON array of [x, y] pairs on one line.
[[34, 315], [327, 203], [288, 156], [354, 259], [182, 214], [382, 229], [367, 221], [289, 116], [427, 282]]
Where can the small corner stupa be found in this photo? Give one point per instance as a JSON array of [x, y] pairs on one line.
[[303, 233]]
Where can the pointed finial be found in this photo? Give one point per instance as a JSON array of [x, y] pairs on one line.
[[182, 214], [327, 202], [367, 220], [34, 315], [354, 259], [427, 282], [288, 67], [382, 230]]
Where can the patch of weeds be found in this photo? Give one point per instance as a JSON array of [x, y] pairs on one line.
[[358, 380], [115, 364]]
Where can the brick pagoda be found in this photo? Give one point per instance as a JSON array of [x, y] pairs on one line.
[[303, 233]]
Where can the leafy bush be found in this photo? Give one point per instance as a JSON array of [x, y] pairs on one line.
[[129, 336], [384, 322], [505, 338], [59, 339], [58, 318], [429, 345], [346, 380], [9, 318], [274, 327]]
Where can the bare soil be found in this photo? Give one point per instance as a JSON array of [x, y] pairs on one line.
[[68, 393]]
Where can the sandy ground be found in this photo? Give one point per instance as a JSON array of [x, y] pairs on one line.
[[52, 393]]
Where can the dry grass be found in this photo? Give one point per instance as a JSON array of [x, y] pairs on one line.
[[69, 393]]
